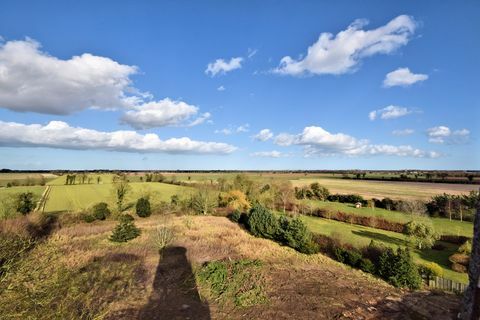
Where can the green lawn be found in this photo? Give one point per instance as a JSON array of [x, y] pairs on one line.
[[441, 225], [82, 196], [361, 236]]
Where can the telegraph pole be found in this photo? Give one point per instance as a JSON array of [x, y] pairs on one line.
[[471, 298]]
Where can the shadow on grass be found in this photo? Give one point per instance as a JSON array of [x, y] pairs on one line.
[[380, 237], [175, 294]]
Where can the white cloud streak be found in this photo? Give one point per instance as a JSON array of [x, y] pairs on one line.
[[58, 134], [319, 142], [221, 66], [343, 52], [390, 112], [403, 132], [268, 154], [403, 77]]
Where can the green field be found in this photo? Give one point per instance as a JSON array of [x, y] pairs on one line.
[[6, 193], [359, 236], [82, 196], [25, 178], [441, 225]]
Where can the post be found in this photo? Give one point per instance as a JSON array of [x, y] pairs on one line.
[[471, 298]]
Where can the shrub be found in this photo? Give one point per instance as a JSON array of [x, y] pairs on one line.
[[366, 265], [350, 257], [262, 223], [429, 270], [465, 248], [124, 231], [143, 208], [235, 216], [457, 267], [125, 218], [460, 258], [100, 211], [25, 203], [162, 237], [398, 269], [294, 234], [88, 218]]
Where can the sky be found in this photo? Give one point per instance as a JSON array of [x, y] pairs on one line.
[[232, 85]]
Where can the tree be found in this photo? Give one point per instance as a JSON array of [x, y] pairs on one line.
[[121, 188], [203, 201], [285, 193], [25, 203], [237, 200], [99, 179], [421, 235], [143, 208], [262, 223], [124, 231], [399, 269], [100, 211]]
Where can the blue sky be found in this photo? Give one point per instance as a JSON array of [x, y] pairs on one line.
[[190, 84]]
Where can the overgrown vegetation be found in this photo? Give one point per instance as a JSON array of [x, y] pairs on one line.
[[163, 237], [239, 282]]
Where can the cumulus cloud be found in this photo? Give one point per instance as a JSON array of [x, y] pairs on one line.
[[318, 141], [263, 135], [32, 80], [403, 77], [403, 132], [221, 88], [221, 66], [342, 53], [443, 134], [390, 112], [58, 134], [159, 114], [268, 154]]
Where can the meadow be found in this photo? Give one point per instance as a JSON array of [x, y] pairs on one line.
[[442, 226], [19, 179], [360, 236], [82, 196]]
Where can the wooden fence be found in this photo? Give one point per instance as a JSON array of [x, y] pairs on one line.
[[447, 284]]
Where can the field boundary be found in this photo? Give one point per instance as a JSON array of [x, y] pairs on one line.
[[446, 284], [43, 200]]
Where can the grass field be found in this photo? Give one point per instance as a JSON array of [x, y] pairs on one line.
[[361, 236], [391, 189], [441, 225], [81, 197], [9, 192]]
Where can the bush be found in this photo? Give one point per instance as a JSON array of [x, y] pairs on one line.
[[163, 237], [465, 248], [366, 265], [429, 270], [262, 223], [143, 208], [88, 218], [460, 258], [124, 231], [235, 216], [100, 211], [25, 203], [350, 257], [294, 234], [457, 267], [125, 218], [346, 198], [398, 269]]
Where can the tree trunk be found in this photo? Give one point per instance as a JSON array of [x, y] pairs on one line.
[[471, 298]]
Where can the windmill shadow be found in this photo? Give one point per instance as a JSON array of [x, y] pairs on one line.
[[175, 294]]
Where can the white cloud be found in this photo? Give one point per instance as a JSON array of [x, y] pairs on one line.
[[403, 132], [390, 112], [443, 134], [58, 134], [230, 130], [268, 154], [201, 119], [318, 141], [221, 66], [32, 80], [263, 135], [221, 88], [402, 77], [161, 113], [251, 53], [341, 53]]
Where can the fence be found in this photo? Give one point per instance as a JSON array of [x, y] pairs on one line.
[[447, 284]]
